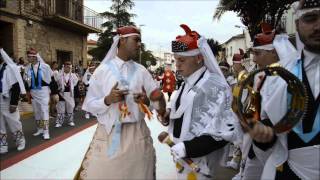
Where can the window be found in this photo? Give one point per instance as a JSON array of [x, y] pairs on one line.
[[3, 3], [62, 7]]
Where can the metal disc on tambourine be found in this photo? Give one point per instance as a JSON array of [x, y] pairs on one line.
[[296, 108]]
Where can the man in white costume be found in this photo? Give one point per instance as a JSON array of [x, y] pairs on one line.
[[122, 146], [39, 77], [86, 78], [295, 154], [268, 47], [11, 86], [87, 75], [201, 119], [225, 68], [66, 81]]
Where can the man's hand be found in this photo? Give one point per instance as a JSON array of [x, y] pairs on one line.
[[165, 119], [12, 108], [115, 95], [141, 97], [261, 133]]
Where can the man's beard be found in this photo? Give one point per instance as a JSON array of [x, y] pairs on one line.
[[313, 48], [135, 57]]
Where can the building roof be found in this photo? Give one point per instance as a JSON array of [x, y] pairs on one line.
[[239, 36], [92, 42]]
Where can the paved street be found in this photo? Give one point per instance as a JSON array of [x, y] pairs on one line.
[[165, 168]]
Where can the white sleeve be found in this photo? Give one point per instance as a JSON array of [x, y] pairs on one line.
[[169, 105]]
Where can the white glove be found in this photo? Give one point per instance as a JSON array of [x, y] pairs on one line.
[[178, 151]]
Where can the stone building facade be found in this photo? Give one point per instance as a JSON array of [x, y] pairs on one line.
[[55, 28]]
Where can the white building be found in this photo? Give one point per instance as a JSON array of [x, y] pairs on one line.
[[232, 45], [169, 60]]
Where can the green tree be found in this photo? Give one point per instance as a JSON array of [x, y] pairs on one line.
[[146, 55], [215, 46], [253, 12]]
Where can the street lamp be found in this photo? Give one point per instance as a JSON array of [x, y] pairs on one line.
[[141, 44]]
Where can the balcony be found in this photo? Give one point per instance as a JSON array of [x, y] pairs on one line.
[[73, 15]]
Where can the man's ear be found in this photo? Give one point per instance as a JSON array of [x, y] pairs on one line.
[[200, 58]]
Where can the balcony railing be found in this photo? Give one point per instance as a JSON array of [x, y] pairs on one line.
[[92, 18], [73, 10]]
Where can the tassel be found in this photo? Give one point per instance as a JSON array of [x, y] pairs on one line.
[[179, 167], [192, 176], [144, 108], [280, 168]]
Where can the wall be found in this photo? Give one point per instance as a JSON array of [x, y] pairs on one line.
[[235, 44], [48, 39]]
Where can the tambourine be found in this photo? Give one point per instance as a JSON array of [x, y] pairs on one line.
[[249, 108]]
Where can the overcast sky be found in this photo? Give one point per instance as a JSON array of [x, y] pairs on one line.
[[161, 20]]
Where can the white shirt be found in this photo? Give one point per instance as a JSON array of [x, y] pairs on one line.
[[123, 66], [101, 84], [66, 77], [189, 81]]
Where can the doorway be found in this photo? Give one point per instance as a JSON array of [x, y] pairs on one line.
[[6, 37], [63, 56]]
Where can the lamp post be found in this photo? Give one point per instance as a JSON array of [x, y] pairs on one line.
[[141, 44]]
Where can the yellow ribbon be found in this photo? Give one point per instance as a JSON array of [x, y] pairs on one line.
[[144, 108]]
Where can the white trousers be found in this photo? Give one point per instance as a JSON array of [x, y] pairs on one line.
[[7, 118], [40, 103]]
